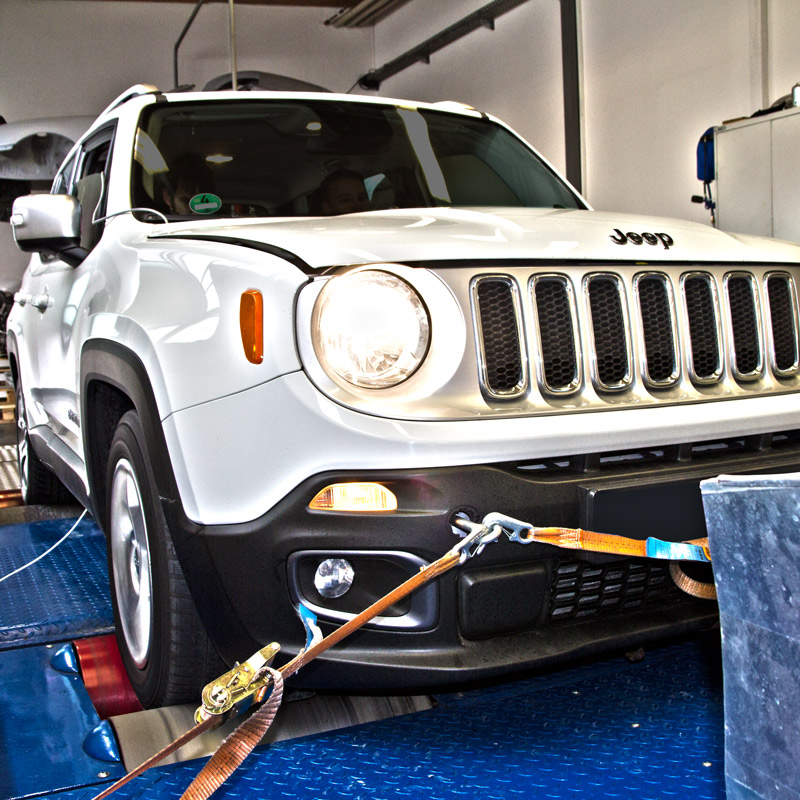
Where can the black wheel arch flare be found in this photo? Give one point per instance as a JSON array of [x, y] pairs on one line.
[[113, 381]]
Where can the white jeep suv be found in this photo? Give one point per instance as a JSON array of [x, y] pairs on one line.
[[277, 342]]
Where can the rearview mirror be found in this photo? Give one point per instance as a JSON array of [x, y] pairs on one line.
[[48, 223]]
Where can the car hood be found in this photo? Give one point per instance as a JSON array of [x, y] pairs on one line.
[[448, 234]]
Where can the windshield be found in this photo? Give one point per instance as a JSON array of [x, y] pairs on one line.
[[316, 157]]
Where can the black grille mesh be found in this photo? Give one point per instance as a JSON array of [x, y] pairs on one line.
[[553, 311], [784, 331], [702, 326], [608, 325], [659, 342], [501, 347], [744, 322], [579, 589]]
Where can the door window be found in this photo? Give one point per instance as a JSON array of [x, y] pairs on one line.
[[90, 182]]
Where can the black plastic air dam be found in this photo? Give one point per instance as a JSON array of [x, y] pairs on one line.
[[239, 575]]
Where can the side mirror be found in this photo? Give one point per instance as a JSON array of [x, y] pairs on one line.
[[48, 223]]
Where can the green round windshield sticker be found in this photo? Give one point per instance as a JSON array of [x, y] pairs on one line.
[[205, 203]]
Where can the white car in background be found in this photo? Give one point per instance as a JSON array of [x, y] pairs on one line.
[[277, 342]]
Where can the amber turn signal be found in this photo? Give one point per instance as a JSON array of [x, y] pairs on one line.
[[354, 497], [251, 322]]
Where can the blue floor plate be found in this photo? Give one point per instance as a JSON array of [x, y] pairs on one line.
[[63, 596], [610, 730], [46, 717]]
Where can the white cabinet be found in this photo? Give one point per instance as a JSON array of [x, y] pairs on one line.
[[758, 175]]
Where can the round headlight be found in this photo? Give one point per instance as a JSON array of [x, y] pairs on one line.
[[372, 328]]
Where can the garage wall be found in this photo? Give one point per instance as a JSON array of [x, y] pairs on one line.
[[656, 74], [783, 56], [74, 57], [513, 72], [678, 68]]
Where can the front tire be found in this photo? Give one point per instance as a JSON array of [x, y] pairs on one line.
[[164, 647]]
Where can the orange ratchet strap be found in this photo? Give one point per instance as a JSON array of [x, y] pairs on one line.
[[254, 679], [579, 539]]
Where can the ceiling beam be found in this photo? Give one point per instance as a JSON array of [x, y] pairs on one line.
[[303, 3], [482, 18]]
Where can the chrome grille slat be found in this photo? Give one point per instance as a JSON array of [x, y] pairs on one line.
[[657, 319], [673, 334], [705, 334], [781, 298], [741, 292], [560, 363], [503, 370], [611, 353]]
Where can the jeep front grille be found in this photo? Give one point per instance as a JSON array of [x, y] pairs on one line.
[[611, 353], [635, 334], [705, 365], [656, 311]]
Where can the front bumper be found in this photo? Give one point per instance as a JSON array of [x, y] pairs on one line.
[[515, 607], [236, 457]]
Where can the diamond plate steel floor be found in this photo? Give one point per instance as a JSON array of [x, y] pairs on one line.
[[609, 730], [63, 596]]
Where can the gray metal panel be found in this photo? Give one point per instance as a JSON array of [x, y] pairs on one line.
[[743, 156], [786, 177]]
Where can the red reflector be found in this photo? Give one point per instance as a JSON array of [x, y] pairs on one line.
[[104, 676]]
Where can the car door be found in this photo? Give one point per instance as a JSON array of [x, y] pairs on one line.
[[58, 289]]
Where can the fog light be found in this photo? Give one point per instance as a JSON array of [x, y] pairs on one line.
[[334, 577]]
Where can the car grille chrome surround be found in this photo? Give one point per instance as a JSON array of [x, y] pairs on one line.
[[742, 303], [781, 296], [501, 344], [701, 302], [610, 355], [558, 354], [656, 312], [670, 333]]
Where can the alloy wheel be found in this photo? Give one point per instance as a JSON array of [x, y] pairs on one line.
[[130, 558]]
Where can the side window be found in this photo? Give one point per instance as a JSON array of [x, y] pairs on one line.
[[62, 181], [89, 184]]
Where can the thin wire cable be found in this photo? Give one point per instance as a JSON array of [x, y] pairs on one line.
[[49, 549]]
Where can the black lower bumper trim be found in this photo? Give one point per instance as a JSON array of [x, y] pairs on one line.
[[513, 608]]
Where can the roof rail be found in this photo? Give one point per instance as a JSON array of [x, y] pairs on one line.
[[134, 91], [454, 105]]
